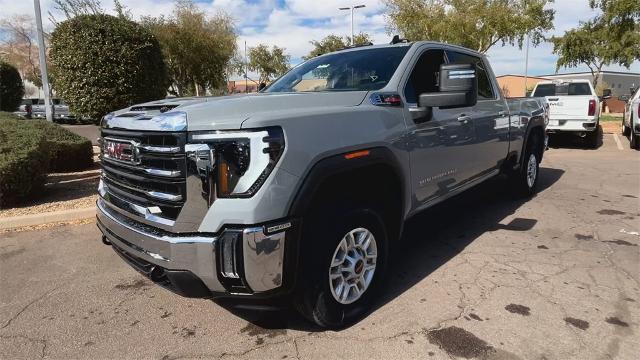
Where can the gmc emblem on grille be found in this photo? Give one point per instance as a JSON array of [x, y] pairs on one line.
[[120, 150]]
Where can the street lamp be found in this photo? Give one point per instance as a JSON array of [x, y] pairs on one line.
[[352, 8]]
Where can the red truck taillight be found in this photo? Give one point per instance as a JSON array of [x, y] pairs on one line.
[[592, 107]]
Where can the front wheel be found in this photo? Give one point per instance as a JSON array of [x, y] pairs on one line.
[[343, 266]]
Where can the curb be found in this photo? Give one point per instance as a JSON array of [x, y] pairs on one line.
[[49, 217]]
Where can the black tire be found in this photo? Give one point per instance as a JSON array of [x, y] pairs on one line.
[[625, 130], [522, 187], [322, 233], [592, 138], [634, 139]]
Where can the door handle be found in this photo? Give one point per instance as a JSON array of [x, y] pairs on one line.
[[464, 118]]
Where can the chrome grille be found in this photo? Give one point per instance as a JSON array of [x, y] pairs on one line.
[[151, 183]]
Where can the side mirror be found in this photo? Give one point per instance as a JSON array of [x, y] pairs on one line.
[[624, 98], [261, 86], [606, 94], [458, 88]]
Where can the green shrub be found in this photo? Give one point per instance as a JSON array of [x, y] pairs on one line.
[[11, 87], [29, 149], [67, 151], [24, 160], [102, 63]]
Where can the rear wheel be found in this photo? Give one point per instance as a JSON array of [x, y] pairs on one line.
[[592, 138], [343, 265], [525, 180], [625, 130]]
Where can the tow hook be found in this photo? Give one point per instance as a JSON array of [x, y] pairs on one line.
[[105, 241]]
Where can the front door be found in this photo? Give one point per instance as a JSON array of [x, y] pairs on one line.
[[441, 142], [490, 118]]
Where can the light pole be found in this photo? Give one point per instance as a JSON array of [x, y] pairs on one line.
[[352, 8], [526, 66], [43, 62]]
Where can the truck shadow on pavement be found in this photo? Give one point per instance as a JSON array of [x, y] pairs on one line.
[[431, 238]]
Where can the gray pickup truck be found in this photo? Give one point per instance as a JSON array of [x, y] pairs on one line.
[[299, 191]]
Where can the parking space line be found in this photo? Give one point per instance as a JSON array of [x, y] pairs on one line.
[[618, 143]]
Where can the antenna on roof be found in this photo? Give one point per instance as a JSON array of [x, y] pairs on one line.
[[396, 40]]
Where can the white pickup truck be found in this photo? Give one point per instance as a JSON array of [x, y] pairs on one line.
[[631, 119], [573, 107]]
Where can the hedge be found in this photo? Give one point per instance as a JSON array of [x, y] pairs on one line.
[[29, 149], [11, 87], [67, 151]]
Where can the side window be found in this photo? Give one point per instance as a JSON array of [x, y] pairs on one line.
[[424, 77], [485, 90]]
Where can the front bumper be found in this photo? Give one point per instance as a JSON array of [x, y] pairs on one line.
[[237, 261], [571, 125]]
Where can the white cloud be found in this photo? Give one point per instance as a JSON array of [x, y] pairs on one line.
[[293, 23]]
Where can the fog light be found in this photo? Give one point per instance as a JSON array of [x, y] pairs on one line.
[[228, 250]]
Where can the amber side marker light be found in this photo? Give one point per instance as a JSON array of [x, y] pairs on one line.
[[356, 154]]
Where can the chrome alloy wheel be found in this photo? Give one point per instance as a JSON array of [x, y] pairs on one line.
[[532, 170], [353, 265]]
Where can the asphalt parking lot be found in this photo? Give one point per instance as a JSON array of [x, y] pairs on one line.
[[482, 276]]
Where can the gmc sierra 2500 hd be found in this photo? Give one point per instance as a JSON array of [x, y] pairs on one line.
[[299, 191]]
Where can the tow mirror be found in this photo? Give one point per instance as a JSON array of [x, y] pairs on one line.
[[458, 88], [606, 94]]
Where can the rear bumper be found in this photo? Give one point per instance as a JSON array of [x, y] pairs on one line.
[[580, 125], [243, 261]]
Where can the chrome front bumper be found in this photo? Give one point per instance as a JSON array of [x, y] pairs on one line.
[[243, 261]]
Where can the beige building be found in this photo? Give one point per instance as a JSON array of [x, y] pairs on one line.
[[514, 85]]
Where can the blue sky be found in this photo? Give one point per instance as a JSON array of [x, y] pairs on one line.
[[293, 23]]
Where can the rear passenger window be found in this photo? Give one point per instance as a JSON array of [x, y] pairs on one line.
[[485, 90], [579, 89]]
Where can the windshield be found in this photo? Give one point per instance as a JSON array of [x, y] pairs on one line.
[[360, 70], [562, 89]]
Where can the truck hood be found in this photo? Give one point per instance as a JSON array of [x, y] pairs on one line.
[[230, 112]]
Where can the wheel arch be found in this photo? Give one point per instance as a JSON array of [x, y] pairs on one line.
[[375, 172]]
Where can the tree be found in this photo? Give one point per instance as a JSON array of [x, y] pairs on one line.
[[613, 37], [267, 63], [73, 8], [19, 46], [101, 63], [196, 47], [11, 87], [477, 25], [333, 43]]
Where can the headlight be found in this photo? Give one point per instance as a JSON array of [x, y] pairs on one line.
[[241, 161]]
